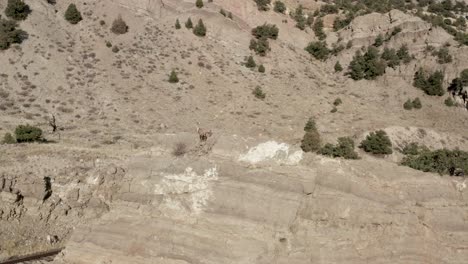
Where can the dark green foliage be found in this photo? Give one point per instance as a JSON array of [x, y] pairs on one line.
[[337, 102], [189, 23], [443, 55], [329, 9], [279, 7], [449, 102], [8, 139], [344, 149], [72, 14], [338, 67], [300, 18], [432, 84], [311, 141], [336, 49], [319, 50], [464, 77], [177, 24], [310, 125], [10, 34], [377, 143], [367, 66], [261, 47], [408, 105], [17, 10], [266, 31], [442, 161], [173, 77], [119, 26], [318, 29], [262, 5], [417, 103], [199, 29], [391, 57], [340, 23], [261, 68], [250, 62], [379, 40], [403, 54], [258, 93], [199, 3], [27, 133]]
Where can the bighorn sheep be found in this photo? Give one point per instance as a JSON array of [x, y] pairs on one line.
[[204, 134]]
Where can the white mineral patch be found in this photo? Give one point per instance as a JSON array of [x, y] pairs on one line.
[[188, 189], [272, 150]]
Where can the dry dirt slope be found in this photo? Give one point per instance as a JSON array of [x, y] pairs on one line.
[[121, 118]]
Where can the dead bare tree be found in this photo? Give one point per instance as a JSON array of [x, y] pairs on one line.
[[53, 123]]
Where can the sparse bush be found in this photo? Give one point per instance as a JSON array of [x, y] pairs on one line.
[[250, 62], [279, 7], [338, 67], [344, 149], [414, 149], [318, 29], [177, 24], [449, 102], [261, 68], [189, 23], [443, 56], [408, 105], [17, 10], [377, 143], [417, 103], [367, 66], [72, 14], [337, 102], [258, 93], [261, 47], [262, 5], [8, 139], [310, 125], [230, 15], [27, 133], [266, 31], [115, 49], [432, 84], [319, 50], [442, 161], [200, 29], [199, 3], [379, 40], [173, 77], [299, 17], [119, 26], [108, 44], [10, 34], [179, 149], [222, 12]]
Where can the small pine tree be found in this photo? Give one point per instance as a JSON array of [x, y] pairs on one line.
[[72, 14], [319, 50], [17, 10], [8, 139], [173, 77], [261, 68], [318, 29], [449, 102], [377, 143], [199, 3], [311, 141], [408, 105], [200, 29], [177, 24], [338, 67], [378, 41], [119, 26], [310, 125], [189, 23], [250, 62]]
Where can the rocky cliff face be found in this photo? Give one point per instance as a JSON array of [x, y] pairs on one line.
[[220, 210]]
